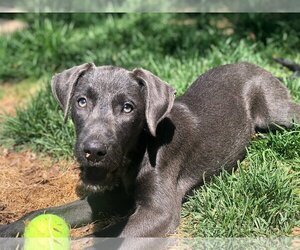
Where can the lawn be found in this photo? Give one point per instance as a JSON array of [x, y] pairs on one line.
[[262, 198]]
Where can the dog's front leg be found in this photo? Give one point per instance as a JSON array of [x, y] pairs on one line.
[[77, 213], [146, 221], [157, 211]]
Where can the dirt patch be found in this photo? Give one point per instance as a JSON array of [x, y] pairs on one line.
[[29, 182], [11, 26], [296, 231], [16, 95]]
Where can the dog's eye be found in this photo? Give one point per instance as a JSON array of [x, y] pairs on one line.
[[82, 102], [127, 108]]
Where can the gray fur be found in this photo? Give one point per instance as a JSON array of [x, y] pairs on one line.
[[153, 156]]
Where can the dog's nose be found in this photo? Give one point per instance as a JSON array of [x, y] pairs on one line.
[[94, 151]]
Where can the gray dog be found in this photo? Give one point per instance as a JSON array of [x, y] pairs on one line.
[[141, 151]]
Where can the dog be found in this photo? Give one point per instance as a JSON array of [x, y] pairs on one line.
[[141, 149]]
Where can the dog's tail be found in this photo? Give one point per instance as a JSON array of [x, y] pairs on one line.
[[290, 65]]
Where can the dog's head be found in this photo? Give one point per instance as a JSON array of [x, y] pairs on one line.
[[110, 107]]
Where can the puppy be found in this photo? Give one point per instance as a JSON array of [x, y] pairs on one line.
[[140, 150]]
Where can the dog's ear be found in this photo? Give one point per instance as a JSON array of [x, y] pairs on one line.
[[159, 97], [63, 85]]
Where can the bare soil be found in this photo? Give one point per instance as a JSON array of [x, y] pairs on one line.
[[29, 182], [11, 26]]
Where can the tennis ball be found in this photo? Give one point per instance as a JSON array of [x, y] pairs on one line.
[[47, 231]]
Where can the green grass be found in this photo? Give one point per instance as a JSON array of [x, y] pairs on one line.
[[262, 197], [55, 42], [40, 126]]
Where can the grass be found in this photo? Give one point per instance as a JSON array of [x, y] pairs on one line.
[[54, 42], [262, 197], [40, 126], [19, 90]]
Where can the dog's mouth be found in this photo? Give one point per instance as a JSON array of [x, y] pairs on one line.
[[97, 179], [95, 174]]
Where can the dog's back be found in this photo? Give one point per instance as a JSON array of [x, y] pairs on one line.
[[228, 104]]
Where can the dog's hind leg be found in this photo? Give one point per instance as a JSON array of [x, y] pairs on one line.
[[295, 112], [280, 109], [271, 105]]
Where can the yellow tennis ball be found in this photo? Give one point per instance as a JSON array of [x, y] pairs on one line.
[[47, 231]]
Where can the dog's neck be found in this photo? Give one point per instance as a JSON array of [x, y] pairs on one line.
[[133, 161]]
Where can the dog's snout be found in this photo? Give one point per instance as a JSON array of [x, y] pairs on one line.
[[94, 151]]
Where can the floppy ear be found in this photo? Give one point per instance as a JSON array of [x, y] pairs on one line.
[[159, 97], [63, 85]]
